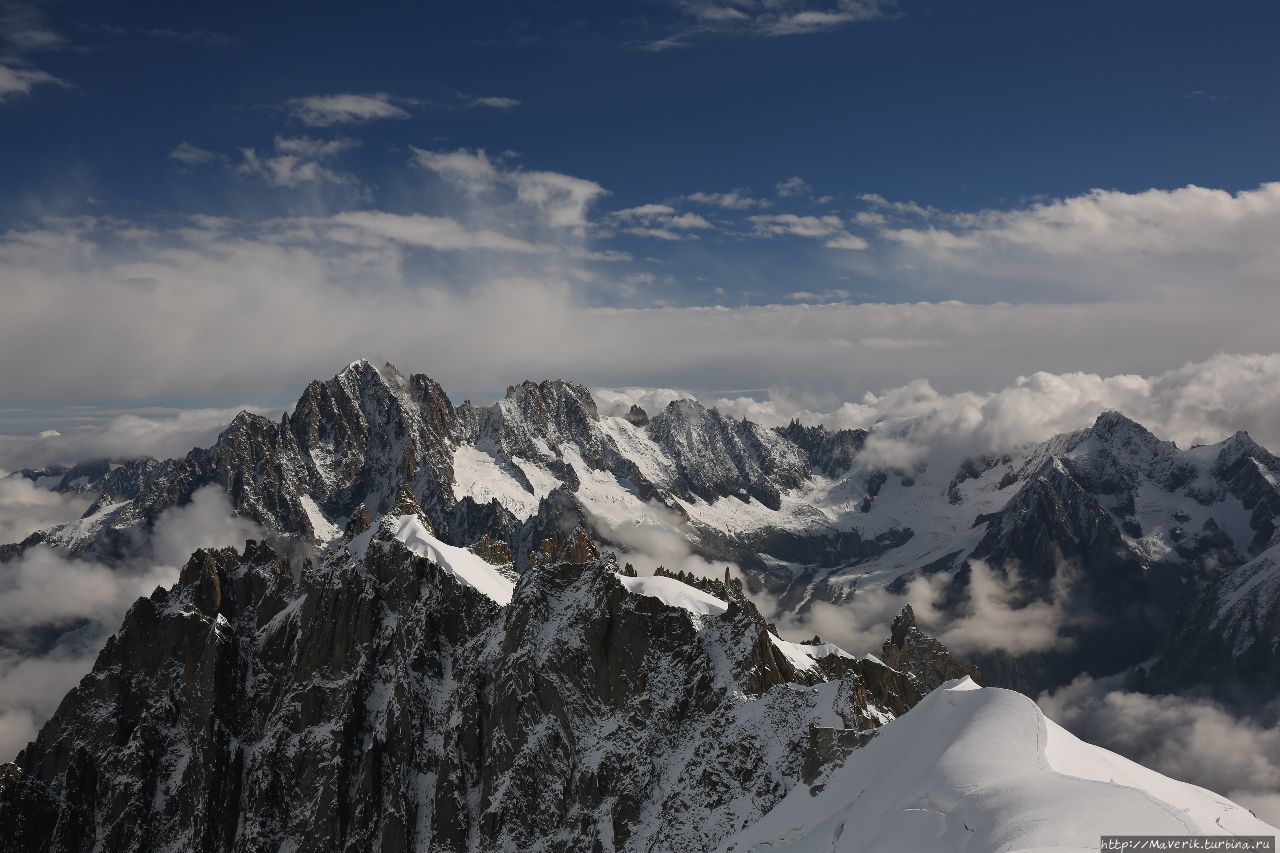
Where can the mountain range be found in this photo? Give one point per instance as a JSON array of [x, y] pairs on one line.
[[437, 648]]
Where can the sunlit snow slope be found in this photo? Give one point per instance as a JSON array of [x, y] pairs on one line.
[[974, 769]]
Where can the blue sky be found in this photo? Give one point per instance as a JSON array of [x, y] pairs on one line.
[[530, 162]]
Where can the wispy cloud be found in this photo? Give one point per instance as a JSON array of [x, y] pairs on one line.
[[434, 232], [16, 80], [497, 103], [23, 31], [830, 229], [660, 221], [703, 19], [733, 200], [328, 110], [194, 155], [562, 200], [296, 160], [793, 187]]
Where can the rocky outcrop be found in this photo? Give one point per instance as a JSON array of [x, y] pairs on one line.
[[910, 650]]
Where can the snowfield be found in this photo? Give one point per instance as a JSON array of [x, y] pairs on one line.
[[459, 562], [982, 769]]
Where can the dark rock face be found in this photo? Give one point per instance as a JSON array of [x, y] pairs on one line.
[[1069, 550], [383, 703], [720, 457], [112, 481], [831, 453], [1227, 640]]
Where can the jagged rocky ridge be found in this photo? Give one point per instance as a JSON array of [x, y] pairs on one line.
[[1117, 528], [402, 695]]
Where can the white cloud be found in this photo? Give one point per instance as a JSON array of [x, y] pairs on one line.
[[850, 242], [328, 110], [206, 521], [434, 232], [660, 221], [733, 200], [472, 171], [833, 295], [765, 18], [23, 29], [1198, 403], [32, 685], [1192, 739], [26, 508], [296, 161], [193, 155], [43, 588], [164, 435], [312, 148], [829, 228], [497, 103], [16, 80], [562, 200], [79, 285], [986, 619], [769, 225], [1187, 243], [793, 187]]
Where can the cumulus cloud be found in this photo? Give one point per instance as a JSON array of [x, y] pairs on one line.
[[1182, 243], [44, 589], [1189, 738], [26, 508], [1197, 403], [327, 110]]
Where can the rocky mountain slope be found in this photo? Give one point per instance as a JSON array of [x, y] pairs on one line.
[[404, 694], [1109, 525]]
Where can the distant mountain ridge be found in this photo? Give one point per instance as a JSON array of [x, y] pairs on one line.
[[1142, 524]]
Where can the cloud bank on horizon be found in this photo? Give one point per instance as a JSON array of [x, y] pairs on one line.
[[497, 223]]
